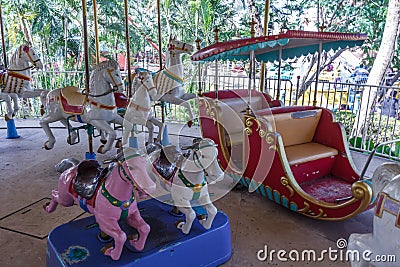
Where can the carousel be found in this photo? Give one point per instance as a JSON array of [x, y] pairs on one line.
[[124, 231]]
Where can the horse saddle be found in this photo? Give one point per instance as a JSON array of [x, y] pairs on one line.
[[72, 100], [168, 161], [88, 177], [121, 100]]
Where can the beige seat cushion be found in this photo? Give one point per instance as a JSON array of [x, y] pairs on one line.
[[297, 154], [232, 111], [296, 127]]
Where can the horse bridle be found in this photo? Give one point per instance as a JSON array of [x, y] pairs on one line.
[[172, 47], [196, 159], [120, 162], [30, 59], [147, 88], [114, 87]]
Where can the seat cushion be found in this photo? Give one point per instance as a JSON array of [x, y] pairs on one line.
[[308, 152]]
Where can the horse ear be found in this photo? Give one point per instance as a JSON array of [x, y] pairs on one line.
[[25, 48]]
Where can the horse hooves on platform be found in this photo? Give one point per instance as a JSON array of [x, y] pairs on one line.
[[179, 223], [6, 118], [189, 123], [103, 141], [201, 217], [104, 238], [42, 111]]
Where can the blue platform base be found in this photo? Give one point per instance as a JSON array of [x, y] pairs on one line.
[[133, 142], [76, 243], [11, 130], [89, 155]]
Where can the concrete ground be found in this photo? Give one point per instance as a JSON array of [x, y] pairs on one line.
[[28, 175]]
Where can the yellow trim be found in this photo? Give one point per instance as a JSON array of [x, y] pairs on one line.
[[68, 112], [174, 75]]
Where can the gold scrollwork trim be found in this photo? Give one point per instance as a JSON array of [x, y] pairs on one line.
[[285, 182]]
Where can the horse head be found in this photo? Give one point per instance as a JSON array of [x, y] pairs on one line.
[[132, 168], [24, 55], [109, 72], [203, 157], [144, 79], [176, 47]]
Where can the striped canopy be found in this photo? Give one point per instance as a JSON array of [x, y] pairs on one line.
[[266, 48]]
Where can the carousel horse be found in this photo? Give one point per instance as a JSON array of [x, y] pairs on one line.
[[16, 80], [97, 108], [385, 237], [139, 108], [186, 177], [169, 81], [108, 194]]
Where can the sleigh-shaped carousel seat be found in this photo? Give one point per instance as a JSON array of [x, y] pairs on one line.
[[298, 157]]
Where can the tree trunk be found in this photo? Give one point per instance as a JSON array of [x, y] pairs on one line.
[[382, 61]]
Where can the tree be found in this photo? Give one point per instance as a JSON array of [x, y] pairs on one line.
[[381, 63]]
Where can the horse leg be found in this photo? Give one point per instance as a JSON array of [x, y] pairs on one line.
[[14, 97], [120, 121], [72, 135], [136, 221], [178, 101], [44, 123], [65, 200], [7, 100], [104, 126], [211, 210], [110, 227], [150, 127], [190, 216], [160, 126]]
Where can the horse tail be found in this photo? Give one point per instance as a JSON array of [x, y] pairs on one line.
[[43, 100]]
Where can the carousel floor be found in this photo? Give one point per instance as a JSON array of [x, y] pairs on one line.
[[27, 176]]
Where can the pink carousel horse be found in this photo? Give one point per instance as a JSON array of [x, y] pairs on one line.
[[109, 194]]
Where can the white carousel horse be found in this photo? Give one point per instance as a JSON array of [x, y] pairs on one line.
[[187, 177], [139, 108], [385, 237], [16, 81], [98, 109], [169, 81]]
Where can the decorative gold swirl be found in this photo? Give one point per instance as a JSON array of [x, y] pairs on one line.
[[285, 182], [361, 190]]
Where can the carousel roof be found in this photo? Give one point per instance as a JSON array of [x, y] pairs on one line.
[[266, 48]]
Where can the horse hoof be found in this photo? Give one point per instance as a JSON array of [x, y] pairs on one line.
[[179, 224], [201, 217], [189, 123], [6, 118], [118, 144], [42, 111], [69, 140], [46, 146], [103, 141], [100, 150]]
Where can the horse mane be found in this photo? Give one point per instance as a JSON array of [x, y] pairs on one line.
[[17, 53], [101, 66]]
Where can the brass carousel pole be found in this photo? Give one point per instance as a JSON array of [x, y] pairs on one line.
[[3, 43], [265, 32], [96, 31], [90, 153], [160, 53], [128, 50]]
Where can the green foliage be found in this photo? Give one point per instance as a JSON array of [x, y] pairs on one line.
[[382, 128]]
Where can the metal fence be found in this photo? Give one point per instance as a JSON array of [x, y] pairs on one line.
[[344, 99]]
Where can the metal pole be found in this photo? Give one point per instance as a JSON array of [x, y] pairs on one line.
[[96, 31], [265, 32], [160, 53], [279, 73], [86, 57], [3, 44], [317, 73], [128, 50]]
